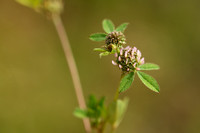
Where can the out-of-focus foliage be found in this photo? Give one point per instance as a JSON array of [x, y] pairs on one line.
[[31, 3], [50, 6], [99, 114]]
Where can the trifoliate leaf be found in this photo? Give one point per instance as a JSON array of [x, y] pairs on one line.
[[126, 82], [149, 81], [100, 49], [149, 66], [80, 113], [108, 26], [98, 37], [122, 27]]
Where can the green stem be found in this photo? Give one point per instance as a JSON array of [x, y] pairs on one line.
[[72, 65], [117, 91]]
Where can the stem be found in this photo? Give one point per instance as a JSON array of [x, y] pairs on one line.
[[116, 94], [72, 66], [117, 91]]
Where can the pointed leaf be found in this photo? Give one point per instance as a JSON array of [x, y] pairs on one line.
[[112, 112], [101, 102], [98, 37], [104, 54], [31, 3], [126, 82], [80, 113], [149, 81], [92, 101], [108, 26], [116, 111], [122, 27], [149, 66], [121, 109], [99, 49]]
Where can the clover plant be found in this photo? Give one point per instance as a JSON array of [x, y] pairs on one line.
[[95, 114], [130, 62]]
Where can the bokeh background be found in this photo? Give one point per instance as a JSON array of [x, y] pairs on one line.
[[36, 90]]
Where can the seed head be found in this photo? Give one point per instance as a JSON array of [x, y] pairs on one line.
[[116, 38]]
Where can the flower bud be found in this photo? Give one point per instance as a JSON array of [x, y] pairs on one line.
[[116, 38]]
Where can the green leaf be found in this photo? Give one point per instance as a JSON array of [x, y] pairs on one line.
[[98, 37], [101, 102], [121, 109], [108, 26], [112, 112], [92, 101], [96, 109], [149, 81], [104, 54], [116, 111], [31, 3], [99, 49], [126, 82], [80, 113], [149, 66], [122, 27]]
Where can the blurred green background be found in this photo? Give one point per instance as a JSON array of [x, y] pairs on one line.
[[36, 90]]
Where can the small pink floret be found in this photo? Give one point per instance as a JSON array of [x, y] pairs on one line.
[[139, 53], [134, 49], [126, 53], [119, 58], [114, 63], [142, 61], [121, 51], [137, 69], [116, 55]]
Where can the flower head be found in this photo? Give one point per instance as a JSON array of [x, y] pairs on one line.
[[129, 59], [115, 37]]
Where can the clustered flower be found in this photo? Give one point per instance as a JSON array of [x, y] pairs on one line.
[[115, 37], [128, 59]]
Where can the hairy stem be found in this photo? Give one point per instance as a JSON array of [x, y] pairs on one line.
[[72, 66]]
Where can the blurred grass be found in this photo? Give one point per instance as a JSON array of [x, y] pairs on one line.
[[36, 92]]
